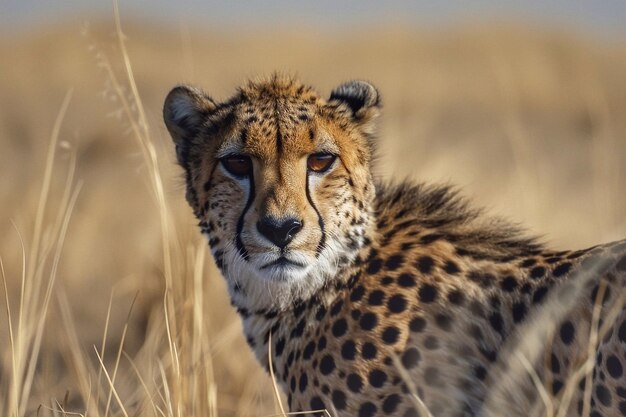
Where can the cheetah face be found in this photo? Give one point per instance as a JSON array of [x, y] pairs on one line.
[[279, 179]]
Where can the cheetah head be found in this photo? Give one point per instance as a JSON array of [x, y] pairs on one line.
[[280, 181]]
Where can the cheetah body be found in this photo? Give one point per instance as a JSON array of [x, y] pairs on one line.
[[389, 299]]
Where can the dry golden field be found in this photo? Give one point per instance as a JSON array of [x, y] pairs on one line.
[[531, 124]]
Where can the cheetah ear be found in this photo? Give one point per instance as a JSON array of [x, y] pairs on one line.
[[185, 111], [361, 97]]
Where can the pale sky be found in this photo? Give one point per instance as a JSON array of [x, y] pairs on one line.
[[603, 17]]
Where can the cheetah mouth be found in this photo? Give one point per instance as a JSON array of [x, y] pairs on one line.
[[283, 262]]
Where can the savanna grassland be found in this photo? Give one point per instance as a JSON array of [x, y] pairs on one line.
[[100, 255]]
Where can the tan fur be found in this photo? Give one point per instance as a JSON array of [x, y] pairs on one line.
[[406, 272]]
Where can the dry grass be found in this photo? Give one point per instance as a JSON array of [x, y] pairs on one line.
[[115, 309]]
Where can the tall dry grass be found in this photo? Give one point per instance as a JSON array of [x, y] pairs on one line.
[[113, 307], [171, 374]]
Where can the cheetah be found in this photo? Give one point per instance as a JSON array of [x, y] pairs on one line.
[[388, 298]]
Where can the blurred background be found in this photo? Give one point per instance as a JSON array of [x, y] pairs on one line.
[[522, 104]]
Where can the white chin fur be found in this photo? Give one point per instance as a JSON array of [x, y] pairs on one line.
[[276, 288]]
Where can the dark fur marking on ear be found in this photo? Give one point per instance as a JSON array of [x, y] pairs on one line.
[[357, 95]]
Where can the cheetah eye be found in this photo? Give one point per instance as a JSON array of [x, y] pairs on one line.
[[320, 162], [238, 165]]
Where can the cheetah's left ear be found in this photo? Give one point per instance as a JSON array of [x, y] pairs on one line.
[[185, 111], [361, 97]]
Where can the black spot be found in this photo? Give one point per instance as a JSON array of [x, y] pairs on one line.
[[567, 332], [367, 409], [425, 264], [251, 342], [391, 403], [407, 246], [376, 298], [417, 324], [485, 280], [495, 319], [317, 404], [519, 312], [327, 365], [394, 262], [390, 335], [490, 355], [428, 293], [374, 266], [556, 386], [357, 293], [562, 269], [554, 363], [299, 329], [321, 312], [456, 297], [406, 280], [553, 259], [280, 345], [299, 309], [385, 281], [410, 358], [354, 382], [396, 304], [430, 238], [480, 372], [339, 400], [603, 395], [368, 351], [528, 262], [537, 272], [622, 332], [336, 309], [539, 294], [451, 268], [348, 350], [321, 344], [443, 321], [308, 350], [377, 378], [304, 380], [368, 321], [614, 367], [340, 327], [508, 284]]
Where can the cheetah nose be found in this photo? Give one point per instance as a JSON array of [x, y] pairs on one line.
[[279, 233]]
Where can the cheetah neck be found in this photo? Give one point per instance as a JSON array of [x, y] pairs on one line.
[[280, 325]]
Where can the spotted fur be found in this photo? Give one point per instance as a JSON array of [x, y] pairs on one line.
[[383, 277]]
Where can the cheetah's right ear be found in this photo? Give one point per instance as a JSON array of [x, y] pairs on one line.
[[184, 112], [362, 99]]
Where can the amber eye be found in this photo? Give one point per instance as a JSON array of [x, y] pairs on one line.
[[238, 165], [320, 162]]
